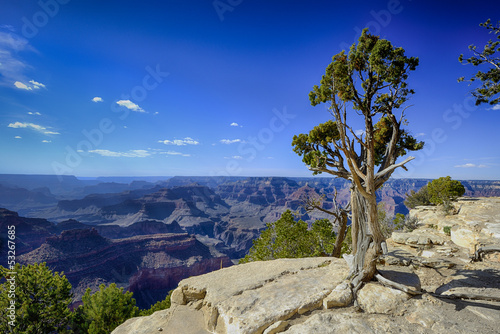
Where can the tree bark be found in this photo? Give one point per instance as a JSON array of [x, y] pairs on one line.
[[340, 234], [367, 238]]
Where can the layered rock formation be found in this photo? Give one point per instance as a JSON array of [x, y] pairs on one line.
[[309, 296], [148, 265]]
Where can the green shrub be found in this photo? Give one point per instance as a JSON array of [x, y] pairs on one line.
[[106, 309], [447, 230], [399, 222], [288, 238], [444, 190], [41, 300], [161, 305], [415, 199]]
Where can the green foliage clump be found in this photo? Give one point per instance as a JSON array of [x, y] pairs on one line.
[[399, 222], [106, 309], [161, 305], [447, 230], [288, 238], [444, 190], [489, 57], [420, 197], [41, 300]]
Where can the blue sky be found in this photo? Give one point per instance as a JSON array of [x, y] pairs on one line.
[[124, 88]]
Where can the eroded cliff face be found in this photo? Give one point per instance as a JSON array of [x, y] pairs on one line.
[[148, 265], [30, 232]]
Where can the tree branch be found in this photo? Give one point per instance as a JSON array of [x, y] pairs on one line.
[[393, 167]]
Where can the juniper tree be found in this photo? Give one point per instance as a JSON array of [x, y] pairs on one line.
[[488, 58], [38, 297], [368, 83]]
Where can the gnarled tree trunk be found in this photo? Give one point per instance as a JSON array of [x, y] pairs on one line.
[[366, 237], [342, 220]]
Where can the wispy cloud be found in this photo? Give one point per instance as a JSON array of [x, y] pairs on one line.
[[469, 165], [46, 141], [127, 154], [99, 99], [130, 105], [175, 153], [37, 85], [134, 153], [235, 157], [34, 113], [180, 142], [31, 86], [230, 141], [359, 132], [20, 85], [12, 67], [495, 107], [18, 137], [34, 127], [235, 124]]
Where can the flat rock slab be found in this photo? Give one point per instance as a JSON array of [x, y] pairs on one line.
[[177, 319], [247, 298], [417, 238]]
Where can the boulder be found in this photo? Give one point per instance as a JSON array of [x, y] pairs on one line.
[[339, 297], [375, 298]]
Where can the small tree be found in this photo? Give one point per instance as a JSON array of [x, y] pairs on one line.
[[41, 300], [106, 309], [340, 215], [288, 238], [444, 190], [421, 197], [489, 57]]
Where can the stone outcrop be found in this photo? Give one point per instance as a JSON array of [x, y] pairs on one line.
[[311, 295], [476, 224]]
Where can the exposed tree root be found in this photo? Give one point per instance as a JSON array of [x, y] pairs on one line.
[[478, 255]]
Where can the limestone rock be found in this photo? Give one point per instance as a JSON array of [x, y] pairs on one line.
[[417, 238], [375, 298], [339, 297]]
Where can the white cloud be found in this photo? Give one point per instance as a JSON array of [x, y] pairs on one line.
[[128, 154], [98, 99], [235, 124], [469, 165], [33, 85], [34, 113], [20, 85], [175, 153], [12, 67], [37, 85], [18, 137], [420, 134], [235, 157], [46, 141], [130, 105], [359, 132], [496, 107], [133, 153], [230, 141], [180, 142], [32, 126]]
